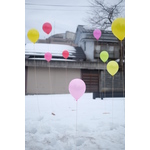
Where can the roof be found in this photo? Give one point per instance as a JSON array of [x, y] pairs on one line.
[[38, 50], [107, 36]]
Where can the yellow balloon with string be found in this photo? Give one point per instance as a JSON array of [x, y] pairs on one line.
[[112, 67], [118, 28], [33, 35], [104, 56]]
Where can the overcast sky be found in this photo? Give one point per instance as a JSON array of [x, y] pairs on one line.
[[62, 18]]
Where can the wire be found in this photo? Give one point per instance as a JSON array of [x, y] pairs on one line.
[[51, 9], [59, 5]]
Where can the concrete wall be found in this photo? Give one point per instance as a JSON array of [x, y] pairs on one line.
[[45, 80], [64, 64]]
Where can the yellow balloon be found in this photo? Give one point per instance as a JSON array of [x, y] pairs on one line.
[[33, 35], [118, 28], [112, 67]]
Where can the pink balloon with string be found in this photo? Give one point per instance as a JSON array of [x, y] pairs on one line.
[[97, 33], [48, 56], [77, 88]]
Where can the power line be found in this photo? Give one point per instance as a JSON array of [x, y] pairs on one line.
[[52, 9], [59, 5]]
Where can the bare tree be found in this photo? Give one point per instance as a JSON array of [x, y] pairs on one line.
[[102, 14]]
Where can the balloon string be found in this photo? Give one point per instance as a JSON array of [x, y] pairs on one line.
[[112, 86], [112, 98], [49, 74], [37, 91], [104, 87], [99, 50], [99, 89], [50, 81], [66, 72], [104, 79], [123, 77], [35, 80], [76, 121], [36, 86], [50, 86], [98, 74], [122, 69]]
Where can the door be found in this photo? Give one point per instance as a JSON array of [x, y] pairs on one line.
[[91, 79]]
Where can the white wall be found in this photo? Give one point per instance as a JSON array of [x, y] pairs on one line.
[[88, 48], [89, 51]]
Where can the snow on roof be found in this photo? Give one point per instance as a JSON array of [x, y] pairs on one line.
[[39, 50], [43, 48]]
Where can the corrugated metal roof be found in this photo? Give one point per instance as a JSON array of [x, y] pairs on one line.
[[85, 29], [107, 36]]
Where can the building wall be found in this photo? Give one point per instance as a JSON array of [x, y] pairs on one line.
[[89, 50], [62, 38], [45, 80], [107, 83], [87, 46], [70, 35]]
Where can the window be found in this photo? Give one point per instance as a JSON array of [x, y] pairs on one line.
[[111, 51], [97, 48], [111, 48], [103, 48]]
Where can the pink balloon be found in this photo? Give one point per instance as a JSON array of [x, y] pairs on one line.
[[48, 56], [77, 88], [97, 33]]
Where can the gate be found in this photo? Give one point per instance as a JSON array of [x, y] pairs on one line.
[[91, 79]]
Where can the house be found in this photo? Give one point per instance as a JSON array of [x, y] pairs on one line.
[[99, 77], [92, 47], [66, 38], [42, 77], [53, 77]]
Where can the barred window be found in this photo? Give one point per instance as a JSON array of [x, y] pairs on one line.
[[111, 48]]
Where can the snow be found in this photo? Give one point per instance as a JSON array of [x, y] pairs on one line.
[[58, 122], [55, 49], [118, 60], [43, 48]]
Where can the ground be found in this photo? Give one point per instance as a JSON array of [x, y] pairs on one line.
[[58, 122]]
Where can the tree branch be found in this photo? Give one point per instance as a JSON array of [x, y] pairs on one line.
[[103, 14]]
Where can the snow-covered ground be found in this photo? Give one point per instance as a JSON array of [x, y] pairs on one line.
[[58, 122]]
